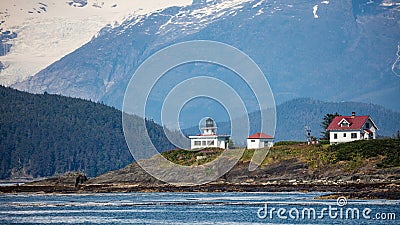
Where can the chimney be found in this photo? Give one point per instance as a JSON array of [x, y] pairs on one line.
[[353, 114]]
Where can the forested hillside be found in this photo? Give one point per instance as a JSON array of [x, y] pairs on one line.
[[43, 134]]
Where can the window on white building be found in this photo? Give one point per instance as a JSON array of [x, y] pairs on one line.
[[353, 135], [367, 125], [197, 143], [344, 124], [253, 140], [344, 134], [334, 136]]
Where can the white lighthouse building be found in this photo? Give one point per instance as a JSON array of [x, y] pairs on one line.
[[209, 137]]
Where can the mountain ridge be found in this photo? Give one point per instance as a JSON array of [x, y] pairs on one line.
[[349, 43], [50, 29]]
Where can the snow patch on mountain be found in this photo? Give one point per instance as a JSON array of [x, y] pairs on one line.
[[257, 4], [315, 9], [390, 3], [396, 64], [260, 11], [47, 30], [194, 19]]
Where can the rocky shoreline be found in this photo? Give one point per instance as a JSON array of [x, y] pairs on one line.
[[287, 169], [355, 191]]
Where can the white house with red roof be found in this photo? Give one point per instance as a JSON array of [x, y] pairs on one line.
[[209, 137], [259, 140], [351, 128]]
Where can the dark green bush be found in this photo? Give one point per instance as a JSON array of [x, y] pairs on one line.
[[389, 148]]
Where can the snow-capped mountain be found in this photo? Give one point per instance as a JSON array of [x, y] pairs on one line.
[[328, 50], [35, 34]]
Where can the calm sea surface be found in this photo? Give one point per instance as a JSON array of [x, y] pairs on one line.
[[193, 208]]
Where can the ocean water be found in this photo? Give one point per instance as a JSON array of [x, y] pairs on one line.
[[193, 208]]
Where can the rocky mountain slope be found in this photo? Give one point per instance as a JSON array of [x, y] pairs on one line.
[[47, 30], [348, 49]]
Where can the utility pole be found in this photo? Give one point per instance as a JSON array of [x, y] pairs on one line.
[[308, 133]]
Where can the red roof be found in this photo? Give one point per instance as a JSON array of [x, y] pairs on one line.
[[356, 123], [260, 135]]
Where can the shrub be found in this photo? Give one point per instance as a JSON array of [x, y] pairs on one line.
[[388, 148]]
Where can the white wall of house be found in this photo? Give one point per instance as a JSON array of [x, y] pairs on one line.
[[207, 141], [369, 125], [223, 144], [341, 136], [257, 143]]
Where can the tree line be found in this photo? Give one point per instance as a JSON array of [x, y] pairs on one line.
[[42, 135]]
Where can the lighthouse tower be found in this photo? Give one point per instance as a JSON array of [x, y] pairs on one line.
[[209, 137], [210, 128]]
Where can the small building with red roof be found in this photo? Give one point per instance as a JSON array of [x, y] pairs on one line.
[[351, 128], [259, 140]]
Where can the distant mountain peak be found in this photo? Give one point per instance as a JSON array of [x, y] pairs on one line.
[[299, 54], [51, 29]]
